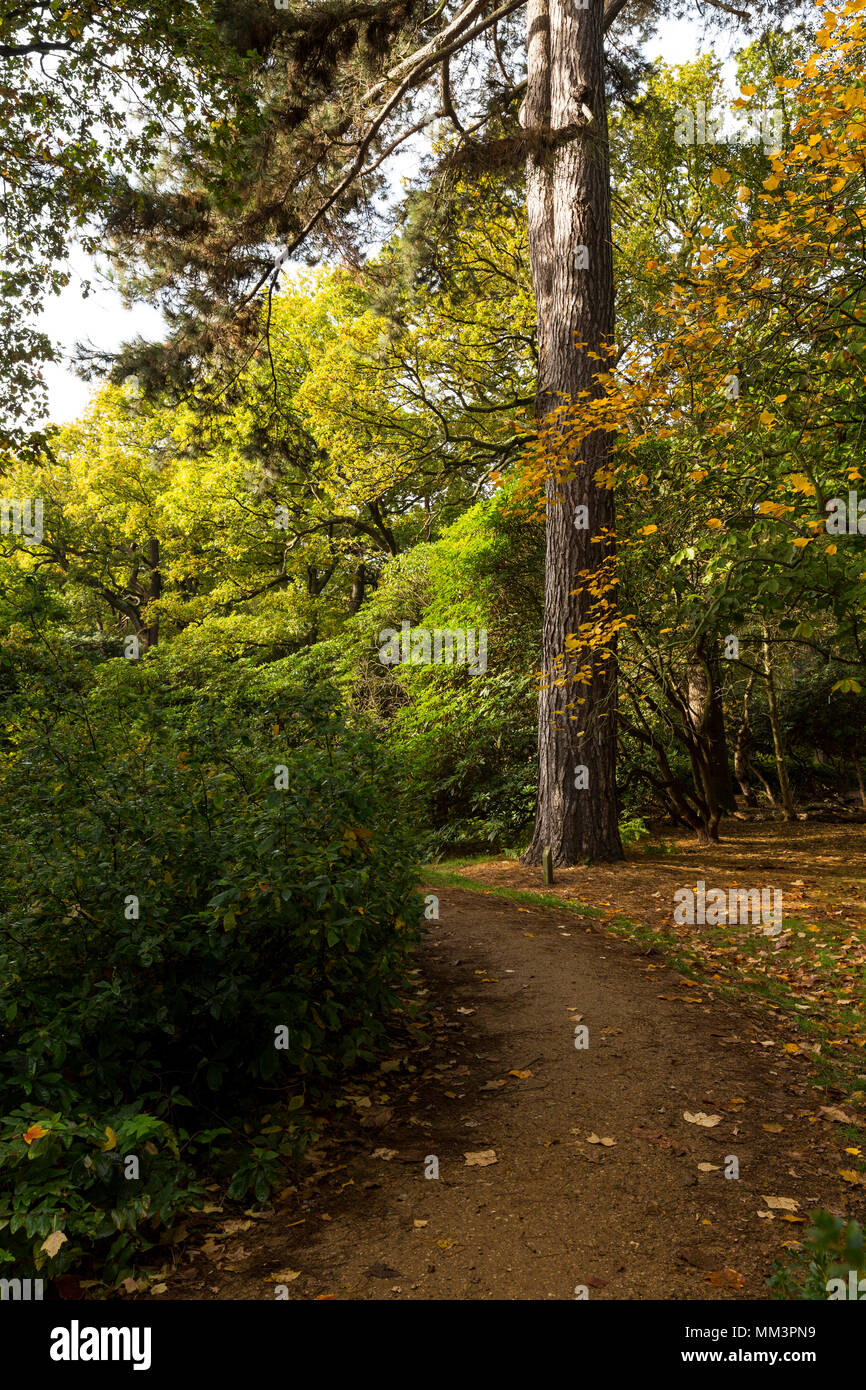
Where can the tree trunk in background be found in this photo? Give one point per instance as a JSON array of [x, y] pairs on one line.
[[568, 203], [778, 746], [742, 746], [359, 588], [708, 719], [151, 632]]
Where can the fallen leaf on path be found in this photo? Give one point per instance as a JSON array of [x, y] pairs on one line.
[[699, 1118], [857, 1179], [387, 1154], [834, 1112], [466, 1011], [725, 1279], [709, 1167], [521, 1075], [782, 1203], [773, 1129], [594, 1139], [52, 1243], [492, 1085], [419, 1223], [700, 1258], [482, 1158], [283, 1276]]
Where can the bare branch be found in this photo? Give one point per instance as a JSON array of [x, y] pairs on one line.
[[425, 60], [20, 50], [447, 100]]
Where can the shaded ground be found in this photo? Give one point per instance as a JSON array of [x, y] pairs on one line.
[[814, 970], [635, 1219]]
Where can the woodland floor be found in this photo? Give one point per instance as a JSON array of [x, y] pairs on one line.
[[761, 1033]]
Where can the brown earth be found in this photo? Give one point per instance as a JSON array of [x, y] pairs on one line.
[[819, 867], [635, 1219]]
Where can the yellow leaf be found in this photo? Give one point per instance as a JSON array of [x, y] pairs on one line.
[[52, 1243], [800, 483], [111, 1140], [720, 177]]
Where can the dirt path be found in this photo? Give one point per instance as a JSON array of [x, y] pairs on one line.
[[636, 1219]]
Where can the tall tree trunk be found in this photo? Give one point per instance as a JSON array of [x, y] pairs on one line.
[[778, 746], [568, 200]]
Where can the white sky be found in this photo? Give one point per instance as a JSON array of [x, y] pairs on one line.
[[102, 320]]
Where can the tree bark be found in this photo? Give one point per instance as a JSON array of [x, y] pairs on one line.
[[741, 748], [151, 631], [708, 719], [359, 588], [568, 201], [778, 746]]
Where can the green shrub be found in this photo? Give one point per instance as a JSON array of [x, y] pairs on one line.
[[164, 909], [831, 1248]]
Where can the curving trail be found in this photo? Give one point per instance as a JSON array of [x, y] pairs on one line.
[[635, 1219]]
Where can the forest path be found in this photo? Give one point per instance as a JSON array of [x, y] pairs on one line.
[[636, 1219]]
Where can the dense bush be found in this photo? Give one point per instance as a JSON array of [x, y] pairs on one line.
[[466, 741], [164, 908]]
